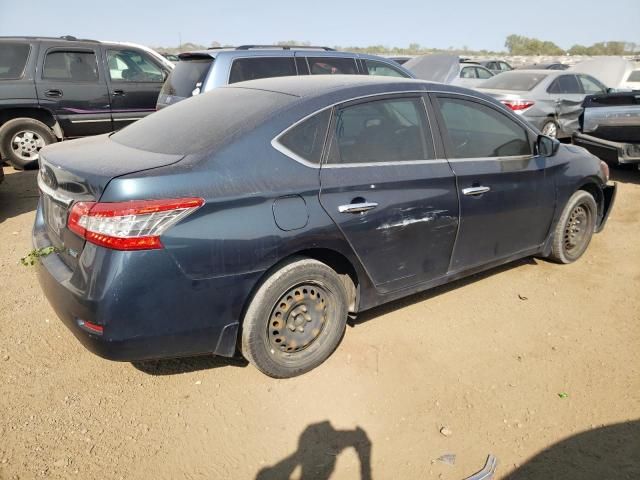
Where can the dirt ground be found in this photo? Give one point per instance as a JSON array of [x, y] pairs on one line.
[[509, 362]]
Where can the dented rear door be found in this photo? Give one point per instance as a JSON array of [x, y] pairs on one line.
[[384, 187]]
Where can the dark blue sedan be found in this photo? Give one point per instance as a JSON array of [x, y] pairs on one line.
[[255, 217]]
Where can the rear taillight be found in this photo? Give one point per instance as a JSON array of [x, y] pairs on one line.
[[518, 105], [134, 225]]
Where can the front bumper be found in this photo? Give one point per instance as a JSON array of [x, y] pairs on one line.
[[146, 306], [611, 152]]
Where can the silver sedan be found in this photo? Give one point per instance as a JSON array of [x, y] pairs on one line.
[[549, 99]]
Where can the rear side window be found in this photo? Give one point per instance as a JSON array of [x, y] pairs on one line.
[[332, 66], [565, 84], [478, 131], [468, 72], [71, 66], [261, 67], [13, 59], [187, 77], [132, 66], [381, 131], [306, 139], [382, 69]]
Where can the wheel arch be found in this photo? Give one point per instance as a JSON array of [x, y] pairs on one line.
[[41, 114], [333, 258], [593, 187]]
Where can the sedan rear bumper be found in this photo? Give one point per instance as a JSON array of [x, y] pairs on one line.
[[131, 306]]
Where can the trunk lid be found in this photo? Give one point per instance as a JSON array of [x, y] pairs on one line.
[[80, 170]]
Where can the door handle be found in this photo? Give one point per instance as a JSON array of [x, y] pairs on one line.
[[475, 190], [357, 207], [118, 93], [54, 92]]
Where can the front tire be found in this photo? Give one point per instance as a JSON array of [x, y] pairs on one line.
[[21, 140], [295, 319], [575, 228]]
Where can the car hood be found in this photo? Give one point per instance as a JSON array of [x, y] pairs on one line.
[[434, 68], [612, 71]]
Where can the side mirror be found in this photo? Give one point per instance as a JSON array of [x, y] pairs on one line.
[[547, 146]]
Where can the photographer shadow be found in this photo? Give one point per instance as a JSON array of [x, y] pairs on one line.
[[318, 448]]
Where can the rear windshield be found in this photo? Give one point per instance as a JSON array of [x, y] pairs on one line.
[[186, 77], [514, 81], [203, 123], [634, 77], [13, 58]]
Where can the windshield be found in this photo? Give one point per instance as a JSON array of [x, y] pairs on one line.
[[186, 79], [514, 81]]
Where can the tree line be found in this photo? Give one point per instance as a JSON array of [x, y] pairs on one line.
[[514, 44]]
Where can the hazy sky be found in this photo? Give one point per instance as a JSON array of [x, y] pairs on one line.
[[478, 24]]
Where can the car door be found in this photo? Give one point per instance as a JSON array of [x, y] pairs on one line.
[[135, 81], [71, 84], [567, 94], [506, 201], [393, 200]]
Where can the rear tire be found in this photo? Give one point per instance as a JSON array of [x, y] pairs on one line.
[[295, 320], [21, 140], [575, 228]]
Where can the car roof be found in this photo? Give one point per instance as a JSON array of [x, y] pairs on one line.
[[275, 51], [343, 87]]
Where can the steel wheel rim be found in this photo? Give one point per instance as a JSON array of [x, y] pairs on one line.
[[550, 129], [26, 144], [298, 318], [576, 229]]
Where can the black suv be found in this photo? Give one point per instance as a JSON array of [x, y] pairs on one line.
[[57, 88]]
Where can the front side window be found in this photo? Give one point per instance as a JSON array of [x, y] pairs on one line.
[[565, 84], [382, 69], [132, 66], [591, 86], [306, 139], [261, 67], [332, 66], [381, 131], [13, 59], [70, 66], [479, 131]]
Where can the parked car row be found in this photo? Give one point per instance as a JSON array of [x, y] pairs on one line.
[[59, 88]]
